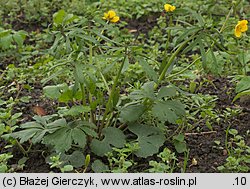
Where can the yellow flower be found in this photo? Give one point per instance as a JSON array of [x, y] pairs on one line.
[[240, 28], [169, 8], [111, 16]]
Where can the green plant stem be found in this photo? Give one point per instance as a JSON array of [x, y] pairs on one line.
[[244, 64], [92, 118], [172, 168], [169, 25], [85, 170], [109, 119], [169, 34], [170, 61], [227, 17], [98, 39], [183, 70], [92, 114], [110, 100], [2, 74], [31, 144], [226, 140], [105, 82], [167, 43], [122, 126], [84, 100], [90, 54], [147, 102], [186, 155], [223, 26], [25, 153], [178, 130], [220, 46]]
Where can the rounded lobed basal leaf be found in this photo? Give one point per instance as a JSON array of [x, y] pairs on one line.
[[99, 167], [113, 137], [150, 139], [132, 112], [169, 110], [76, 159]]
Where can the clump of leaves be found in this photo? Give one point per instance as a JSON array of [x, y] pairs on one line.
[[180, 143], [167, 162], [120, 160], [59, 133], [162, 106], [149, 139], [56, 162], [239, 154], [10, 38], [242, 88], [4, 162]]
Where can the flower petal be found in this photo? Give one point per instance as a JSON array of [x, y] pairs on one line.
[[111, 14], [244, 22], [237, 32], [244, 28], [172, 8], [167, 7], [115, 19], [240, 27]]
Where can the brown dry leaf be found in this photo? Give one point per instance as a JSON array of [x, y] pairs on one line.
[[210, 77], [39, 111]]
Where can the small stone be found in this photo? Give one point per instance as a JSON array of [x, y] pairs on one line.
[[194, 161]]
